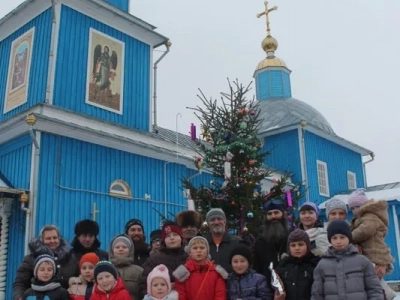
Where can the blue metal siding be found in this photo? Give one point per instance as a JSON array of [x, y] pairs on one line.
[[285, 153], [391, 241], [39, 64], [272, 84], [71, 71], [339, 160], [121, 4], [75, 174], [15, 164]]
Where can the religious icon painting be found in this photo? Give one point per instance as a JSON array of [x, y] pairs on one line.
[[105, 74], [18, 71]]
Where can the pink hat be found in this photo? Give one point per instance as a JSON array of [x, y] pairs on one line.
[[357, 198], [159, 271]]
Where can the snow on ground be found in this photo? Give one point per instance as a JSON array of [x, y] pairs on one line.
[[398, 296]]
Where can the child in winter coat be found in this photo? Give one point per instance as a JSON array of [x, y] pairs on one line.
[[108, 285], [81, 288], [243, 282], [343, 273], [44, 284], [121, 255], [296, 270], [159, 285], [199, 278]]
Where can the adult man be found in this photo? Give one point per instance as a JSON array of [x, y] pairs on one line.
[[134, 228], [221, 243], [155, 241], [190, 222], [272, 243], [85, 240]]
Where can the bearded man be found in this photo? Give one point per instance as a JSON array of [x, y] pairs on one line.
[[134, 228], [272, 243], [190, 222]]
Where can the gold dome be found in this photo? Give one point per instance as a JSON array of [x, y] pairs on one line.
[[271, 62], [269, 44]]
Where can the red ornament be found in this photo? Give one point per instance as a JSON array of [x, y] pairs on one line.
[[245, 169], [252, 162], [233, 203]]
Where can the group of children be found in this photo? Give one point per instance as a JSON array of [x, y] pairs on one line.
[[342, 273]]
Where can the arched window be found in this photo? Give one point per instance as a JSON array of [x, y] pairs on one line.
[[120, 189]]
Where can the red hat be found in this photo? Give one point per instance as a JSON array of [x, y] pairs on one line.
[[171, 227], [89, 257]]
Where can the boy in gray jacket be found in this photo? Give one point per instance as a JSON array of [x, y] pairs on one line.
[[343, 273]]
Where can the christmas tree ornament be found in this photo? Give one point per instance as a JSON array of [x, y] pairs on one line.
[[243, 125], [193, 132], [227, 170], [288, 194], [204, 224], [245, 229], [244, 169], [250, 215], [252, 162], [229, 156], [212, 182], [208, 138], [233, 203]]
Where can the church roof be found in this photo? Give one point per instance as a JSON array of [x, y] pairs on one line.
[[283, 112]]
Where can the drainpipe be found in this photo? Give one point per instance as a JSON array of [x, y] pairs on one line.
[[303, 159], [372, 155], [51, 54], [168, 45], [30, 222], [165, 188]]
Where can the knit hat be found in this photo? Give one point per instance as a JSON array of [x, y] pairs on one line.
[[215, 212], [197, 238], [357, 198], [90, 257], [339, 227], [298, 235], [170, 227], [122, 238], [335, 203], [159, 271], [155, 234], [273, 204], [86, 227], [242, 250], [44, 258], [105, 266], [132, 222], [310, 206]]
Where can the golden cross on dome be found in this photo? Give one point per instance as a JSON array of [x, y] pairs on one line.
[[94, 212], [266, 13]]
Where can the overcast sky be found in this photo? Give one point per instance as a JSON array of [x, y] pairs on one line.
[[344, 57]]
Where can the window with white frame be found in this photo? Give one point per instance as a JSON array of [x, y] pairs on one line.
[[351, 180], [120, 189], [323, 183]]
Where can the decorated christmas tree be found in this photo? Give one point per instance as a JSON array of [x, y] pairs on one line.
[[229, 148]]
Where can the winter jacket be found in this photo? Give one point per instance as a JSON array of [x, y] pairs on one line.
[[388, 292], [369, 231], [220, 254], [200, 282], [346, 275], [127, 271], [173, 295], [46, 291], [321, 241], [66, 266], [297, 275], [250, 286], [79, 289], [142, 253], [118, 293], [78, 251], [171, 258], [265, 253]]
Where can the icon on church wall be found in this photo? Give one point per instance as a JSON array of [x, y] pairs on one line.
[[105, 80], [18, 71]]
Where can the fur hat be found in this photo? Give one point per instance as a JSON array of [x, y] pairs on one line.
[[357, 198], [159, 271], [89, 257], [86, 227], [298, 235], [105, 266], [132, 222], [44, 258], [242, 250], [189, 218], [339, 227]]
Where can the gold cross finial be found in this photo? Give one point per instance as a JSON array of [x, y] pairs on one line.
[[266, 13], [94, 212]]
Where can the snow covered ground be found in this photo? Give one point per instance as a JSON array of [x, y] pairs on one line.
[[398, 296]]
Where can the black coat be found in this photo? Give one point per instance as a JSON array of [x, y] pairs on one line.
[[220, 255], [50, 293], [265, 253], [142, 253], [297, 276], [78, 251], [65, 263]]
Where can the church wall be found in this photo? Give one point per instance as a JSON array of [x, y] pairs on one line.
[[285, 153], [22, 92], [15, 164], [74, 87], [75, 174], [339, 160], [392, 238]]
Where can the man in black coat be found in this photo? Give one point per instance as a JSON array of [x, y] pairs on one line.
[[85, 240], [272, 243], [135, 229]]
